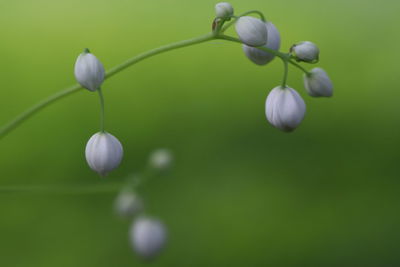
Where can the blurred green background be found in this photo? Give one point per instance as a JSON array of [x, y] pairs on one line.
[[241, 192]]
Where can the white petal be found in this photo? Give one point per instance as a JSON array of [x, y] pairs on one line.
[[260, 57], [284, 108], [251, 31]]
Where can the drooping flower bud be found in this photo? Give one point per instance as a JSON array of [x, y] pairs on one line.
[[128, 204], [103, 153], [223, 10], [161, 159], [251, 31], [317, 83], [89, 72], [305, 51], [260, 57], [285, 109], [148, 237]]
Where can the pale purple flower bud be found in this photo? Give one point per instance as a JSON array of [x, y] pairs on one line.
[[305, 51], [128, 204], [261, 57], [148, 237], [103, 153], [284, 108], [251, 31], [318, 83], [89, 72], [161, 159], [223, 10]]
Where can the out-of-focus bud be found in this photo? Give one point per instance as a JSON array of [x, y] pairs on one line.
[[103, 153], [148, 237], [285, 109], [305, 51], [223, 10], [89, 72], [251, 31], [161, 159], [317, 83], [260, 57], [128, 204]]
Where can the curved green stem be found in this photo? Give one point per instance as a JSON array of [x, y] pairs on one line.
[[42, 104], [51, 99], [101, 110], [262, 17], [75, 88], [7, 128], [157, 51]]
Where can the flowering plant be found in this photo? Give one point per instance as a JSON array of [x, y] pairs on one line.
[[261, 43]]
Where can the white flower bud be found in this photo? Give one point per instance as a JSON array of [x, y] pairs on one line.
[[161, 159], [103, 153], [317, 83], [148, 237], [306, 51], [251, 31], [89, 72], [223, 10], [128, 204], [260, 57], [285, 109]]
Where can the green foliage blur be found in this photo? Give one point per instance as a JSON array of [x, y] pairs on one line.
[[241, 193]]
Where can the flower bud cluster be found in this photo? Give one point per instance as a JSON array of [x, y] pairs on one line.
[[147, 235], [284, 107], [104, 153]]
